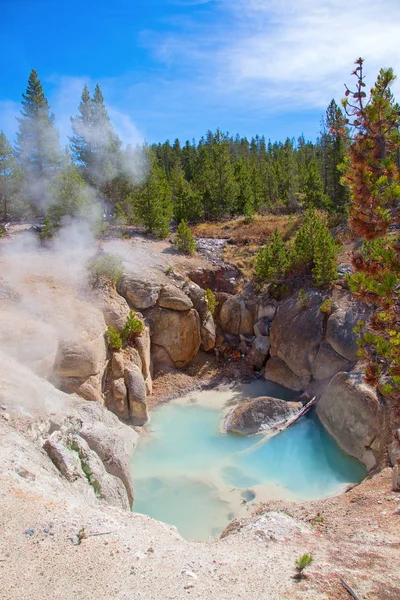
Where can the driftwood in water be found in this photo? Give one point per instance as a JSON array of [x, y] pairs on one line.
[[301, 413]]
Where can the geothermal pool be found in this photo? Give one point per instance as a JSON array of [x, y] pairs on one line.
[[190, 474]]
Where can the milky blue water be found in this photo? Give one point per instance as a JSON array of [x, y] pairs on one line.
[[189, 474]]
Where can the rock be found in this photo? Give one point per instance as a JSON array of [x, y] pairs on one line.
[[173, 298], [178, 332], [136, 395], [120, 398], [143, 346], [351, 412], [112, 441], [198, 297], [66, 461], [225, 278], [261, 413], [297, 331], [236, 318], [276, 370], [79, 359], [132, 357], [105, 486], [115, 308], [161, 359], [266, 310], [328, 362], [139, 293], [262, 327], [396, 481], [258, 352], [117, 365], [339, 331], [394, 452], [207, 332]]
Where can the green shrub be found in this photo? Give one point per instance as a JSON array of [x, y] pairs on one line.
[[133, 327], [113, 338], [272, 259], [107, 266], [302, 563], [326, 306], [184, 239], [211, 301]]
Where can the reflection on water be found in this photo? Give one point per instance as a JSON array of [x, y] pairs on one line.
[[189, 474]]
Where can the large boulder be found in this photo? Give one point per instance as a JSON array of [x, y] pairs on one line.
[[80, 360], [261, 413], [115, 308], [136, 395], [172, 297], [276, 370], [139, 293], [328, 362], [178, 332], [351, 412], [339, 330], [297, 331], [236, 318]]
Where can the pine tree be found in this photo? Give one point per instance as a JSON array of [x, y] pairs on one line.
[[95, 145], [372, 173], [154, 200], [272, 259], [72, 197], [245, 198], [11, 179], [186, 201], [38, 149], [314, 188], [336, 141], [184, 239]]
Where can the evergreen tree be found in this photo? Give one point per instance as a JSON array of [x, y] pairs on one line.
[[11, 179], [272, 260], [184, 239], [314, 188], [186, 202], [72, 197], [336, 141], [245, 198], [95, 145], [372, 174], [38, 149], [154, 200]]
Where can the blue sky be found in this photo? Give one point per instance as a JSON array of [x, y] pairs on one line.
[[176, 68]]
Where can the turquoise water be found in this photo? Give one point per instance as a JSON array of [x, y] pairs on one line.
[[189, 474]]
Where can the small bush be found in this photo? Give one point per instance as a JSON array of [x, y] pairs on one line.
[[326, 307], [302, 563], [184, 239], [113, 338], [272, 260], [133, 327], [211, 301], [108, 266]]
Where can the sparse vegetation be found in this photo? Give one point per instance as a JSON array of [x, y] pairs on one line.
[[105, 266], [303, 563], [211, 300], [133, 327], [326, 307], [113, 338]]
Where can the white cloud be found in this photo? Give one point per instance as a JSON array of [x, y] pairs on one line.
[[285, 54]]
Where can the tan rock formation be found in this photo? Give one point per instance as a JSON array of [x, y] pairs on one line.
[[276, 370], [350, 410], [261, 413], [178, 332]]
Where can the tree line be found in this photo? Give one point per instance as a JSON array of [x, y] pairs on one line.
[[218, 176]]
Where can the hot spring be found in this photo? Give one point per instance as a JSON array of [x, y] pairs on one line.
[[187, 472]]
